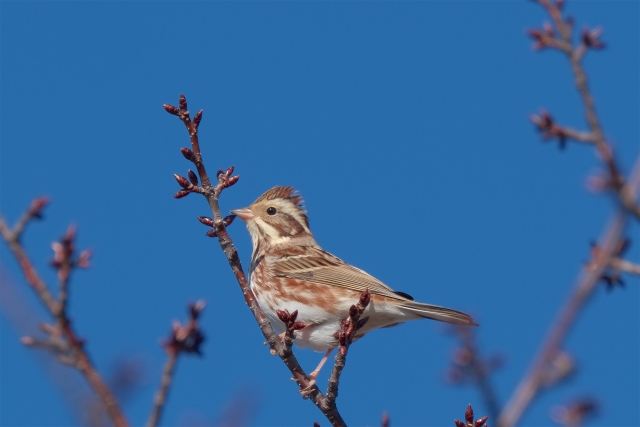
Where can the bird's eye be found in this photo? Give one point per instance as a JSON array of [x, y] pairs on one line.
[[271, 210]]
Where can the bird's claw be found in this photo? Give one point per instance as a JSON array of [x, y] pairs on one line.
[[311, 378]]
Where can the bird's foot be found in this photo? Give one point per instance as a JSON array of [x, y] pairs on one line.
[[311, 378]]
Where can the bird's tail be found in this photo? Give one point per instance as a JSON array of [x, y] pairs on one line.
[[438, 313]]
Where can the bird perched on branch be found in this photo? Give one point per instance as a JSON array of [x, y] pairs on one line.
[[289, 270]]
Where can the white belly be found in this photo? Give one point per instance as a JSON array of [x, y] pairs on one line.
[[319, 333]]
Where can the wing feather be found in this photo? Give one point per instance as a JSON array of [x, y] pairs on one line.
[[319, 266]]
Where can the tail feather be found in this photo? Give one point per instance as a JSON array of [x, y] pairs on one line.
[[438, 313]]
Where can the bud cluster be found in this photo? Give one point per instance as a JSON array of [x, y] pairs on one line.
[[186, 338]]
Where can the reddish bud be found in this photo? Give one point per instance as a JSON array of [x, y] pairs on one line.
[[68, 237], [180, 194], [27, 341], [232, 180], [182, 181], [480, 422], [548, 29], [49, 329], [192, 342], [459, 423], [623, 246], [591, 38], [298, 325], [385, 420], [229, 171], [220, 172], [211, 233], [195, 309], [353, 311], [183, 102], [468, 415], [362, 322], [197, 118], [83, 260], [283, 315], [365, 298], [206, 221], [36, 207], [192, 177], [188, 154], [171, 109], [228, 220], [293, 316], [342, 338]]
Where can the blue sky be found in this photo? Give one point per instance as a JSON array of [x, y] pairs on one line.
[[405, 127]]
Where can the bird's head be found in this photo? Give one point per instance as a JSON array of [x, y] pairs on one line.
[[275, 217]]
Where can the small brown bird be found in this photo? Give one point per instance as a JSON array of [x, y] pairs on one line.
[[290, 271]]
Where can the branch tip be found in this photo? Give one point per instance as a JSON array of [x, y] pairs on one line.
[[192, 177], [468, 415], [182, 181], [180, 194], [206, 221], [171, 109], [188, 154], [591, 38], [197, 118]]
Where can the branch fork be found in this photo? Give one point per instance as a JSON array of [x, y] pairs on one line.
[[226, 179], [549, 129], [614, 265], [62, 340], [289, 319], [182, 339]]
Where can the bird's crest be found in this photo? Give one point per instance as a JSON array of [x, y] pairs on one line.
[[279, 192]]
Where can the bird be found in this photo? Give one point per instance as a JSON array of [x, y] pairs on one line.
[[289, 270]]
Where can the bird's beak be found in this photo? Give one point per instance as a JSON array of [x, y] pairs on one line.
[[244, 214]]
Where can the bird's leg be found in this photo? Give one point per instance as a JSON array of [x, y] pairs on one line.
[[316, 371], [313, 375]]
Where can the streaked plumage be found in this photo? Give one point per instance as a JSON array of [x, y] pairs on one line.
[[290, 271]]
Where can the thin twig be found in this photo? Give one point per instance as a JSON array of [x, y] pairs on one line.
[[12, 237], [72, 351], [608, 251], [212, 194], [610, 244], [345, 336], [575, 54], [468, 364], [161, 394], [589, 277], [626, 266], [183, 339]]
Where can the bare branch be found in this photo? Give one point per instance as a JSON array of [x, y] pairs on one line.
[[626, 266], [587, 281], [212, 193], [575, 413], [606, 253], [63, 341], [559, 36], [468, 364], [185, 339], [345, 336]]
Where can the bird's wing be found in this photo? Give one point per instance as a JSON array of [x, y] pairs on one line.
[[319, 266]]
